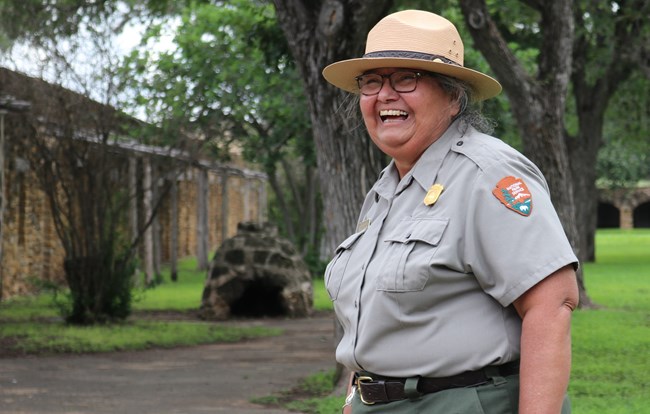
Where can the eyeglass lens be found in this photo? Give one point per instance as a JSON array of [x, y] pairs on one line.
[[371, 83]]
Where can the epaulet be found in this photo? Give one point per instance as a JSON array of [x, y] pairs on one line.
[[484, 150]]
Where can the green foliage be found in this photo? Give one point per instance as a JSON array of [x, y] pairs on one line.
[[229, 77], [35, 337], [621, 165], [99, 287], [26, 308], [311, 395], [625, 157], [230, 80], [322, 301], [319, 386], [33, 19]]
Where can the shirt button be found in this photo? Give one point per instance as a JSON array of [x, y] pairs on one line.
[[459, 143], [355, 304], [363, 266]]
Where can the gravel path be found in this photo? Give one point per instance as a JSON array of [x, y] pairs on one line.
[[219, 378]]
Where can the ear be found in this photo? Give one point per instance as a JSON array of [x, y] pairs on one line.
[[460, 102], [454, 107]]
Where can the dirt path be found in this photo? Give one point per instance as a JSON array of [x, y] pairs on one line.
[[203, 379]]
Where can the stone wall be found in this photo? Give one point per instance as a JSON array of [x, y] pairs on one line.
[[32, 250], [246, 201]]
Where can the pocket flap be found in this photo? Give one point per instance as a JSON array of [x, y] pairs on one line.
[[423, 230], [347, 243]]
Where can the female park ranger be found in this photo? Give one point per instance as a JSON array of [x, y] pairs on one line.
[[455, 292]]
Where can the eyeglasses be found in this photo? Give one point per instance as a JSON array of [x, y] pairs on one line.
[[402, 81]]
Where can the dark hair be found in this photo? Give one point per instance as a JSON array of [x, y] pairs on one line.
[[469, 112]]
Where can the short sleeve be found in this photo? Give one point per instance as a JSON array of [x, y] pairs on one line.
[[513, 236]]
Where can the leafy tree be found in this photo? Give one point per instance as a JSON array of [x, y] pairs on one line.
[[45, 22], [230, 77], [595, 46], [624, 159], [69, 141]]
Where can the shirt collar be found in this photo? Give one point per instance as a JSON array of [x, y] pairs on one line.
[[426, 168], [387, 182]]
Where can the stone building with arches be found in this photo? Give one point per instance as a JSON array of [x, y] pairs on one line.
[[624, 208]]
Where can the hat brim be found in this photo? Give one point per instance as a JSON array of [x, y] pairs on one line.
[[343, 74]]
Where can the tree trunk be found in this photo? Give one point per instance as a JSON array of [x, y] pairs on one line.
[[133, 198], [148, 212], [281, 201], [202, 226], [320, 33], [2, 193], [173, 243], [538, 103], [592, 99], [155, 227]]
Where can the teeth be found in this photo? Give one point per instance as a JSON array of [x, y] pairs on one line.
[[392, 112]]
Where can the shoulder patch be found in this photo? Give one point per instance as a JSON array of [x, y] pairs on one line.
[[514, 194]]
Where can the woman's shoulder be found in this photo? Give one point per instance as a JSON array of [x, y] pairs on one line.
[[486, 151]]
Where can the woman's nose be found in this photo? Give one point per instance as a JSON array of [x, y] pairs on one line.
[[387, 92]]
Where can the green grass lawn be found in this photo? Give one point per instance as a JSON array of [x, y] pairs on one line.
[[611, 345], [32, 325], [182, 295]]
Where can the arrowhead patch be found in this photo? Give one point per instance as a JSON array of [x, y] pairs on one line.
[[514, 194]]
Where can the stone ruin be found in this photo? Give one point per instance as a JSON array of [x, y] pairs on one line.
[[254, 274]]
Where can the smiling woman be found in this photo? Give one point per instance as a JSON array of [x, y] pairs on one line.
[[453, 293]]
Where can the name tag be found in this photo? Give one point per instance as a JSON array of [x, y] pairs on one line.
[[363, 225]]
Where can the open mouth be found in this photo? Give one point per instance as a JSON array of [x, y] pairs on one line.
[[388, 115]]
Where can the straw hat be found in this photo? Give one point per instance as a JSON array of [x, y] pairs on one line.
[[412, 39]]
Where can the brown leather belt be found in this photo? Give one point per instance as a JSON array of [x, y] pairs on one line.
[[378, 389]]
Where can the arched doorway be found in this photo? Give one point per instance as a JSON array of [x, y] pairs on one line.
[[608, 216], [642, 215]]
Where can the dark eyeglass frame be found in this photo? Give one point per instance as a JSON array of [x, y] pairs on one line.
[[391, 79]]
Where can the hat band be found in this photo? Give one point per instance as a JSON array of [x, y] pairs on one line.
[[407, 54]]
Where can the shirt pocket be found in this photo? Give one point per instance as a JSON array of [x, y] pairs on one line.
[[406, 265], [336, 268]]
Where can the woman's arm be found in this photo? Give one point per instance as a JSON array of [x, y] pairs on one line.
[[546, 310], [347, 408]]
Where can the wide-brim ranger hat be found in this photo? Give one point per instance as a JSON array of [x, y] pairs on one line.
[[413, 39]]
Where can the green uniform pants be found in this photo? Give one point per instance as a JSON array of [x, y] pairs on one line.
[[500, 396]]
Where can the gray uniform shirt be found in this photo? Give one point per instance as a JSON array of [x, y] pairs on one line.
[[428, 289]]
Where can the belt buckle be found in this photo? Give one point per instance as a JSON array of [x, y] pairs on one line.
[[360, 380]]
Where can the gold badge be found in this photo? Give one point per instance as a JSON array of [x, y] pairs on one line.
[[433, 194]]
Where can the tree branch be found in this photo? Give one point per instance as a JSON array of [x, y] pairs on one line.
[[517, 83]]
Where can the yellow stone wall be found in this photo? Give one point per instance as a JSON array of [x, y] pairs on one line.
[[32, 250]]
